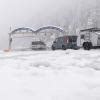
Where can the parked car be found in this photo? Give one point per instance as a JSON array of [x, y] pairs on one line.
[[65, 42], [90, 38], [38, 45]]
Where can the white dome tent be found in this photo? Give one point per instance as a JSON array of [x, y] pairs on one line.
[[49, 33], [21, 38]]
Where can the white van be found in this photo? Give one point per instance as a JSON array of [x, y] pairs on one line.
[[90, 38]]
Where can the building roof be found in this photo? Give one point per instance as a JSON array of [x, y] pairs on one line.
[[90, 30]]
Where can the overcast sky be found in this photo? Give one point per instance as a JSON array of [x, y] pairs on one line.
[[30, 13]]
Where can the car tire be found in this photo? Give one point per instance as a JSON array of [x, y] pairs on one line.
[[63, 47], [87, 45], [53, 48]]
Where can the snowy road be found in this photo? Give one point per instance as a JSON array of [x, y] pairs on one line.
[[50, 75]]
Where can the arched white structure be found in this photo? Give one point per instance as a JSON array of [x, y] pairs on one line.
[[28, 32]]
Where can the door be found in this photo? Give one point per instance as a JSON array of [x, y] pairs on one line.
[[98, 41], [87, 37]]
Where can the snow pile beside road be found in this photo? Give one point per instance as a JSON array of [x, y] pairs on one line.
[[50, 75]]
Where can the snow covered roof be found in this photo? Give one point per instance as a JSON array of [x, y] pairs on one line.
[[90, 30], [50, 27], [22, 29]]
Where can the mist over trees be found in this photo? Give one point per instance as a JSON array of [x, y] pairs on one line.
[[82, 14], [85, 15]]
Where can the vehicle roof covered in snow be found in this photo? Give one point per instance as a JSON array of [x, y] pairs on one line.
[[90, 30]]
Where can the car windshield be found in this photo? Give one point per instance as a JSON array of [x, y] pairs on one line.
[[72, 38]]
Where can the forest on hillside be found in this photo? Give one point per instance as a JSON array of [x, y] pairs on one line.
[[85, 15], [82, 14]]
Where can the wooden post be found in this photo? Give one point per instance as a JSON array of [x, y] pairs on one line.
[[10, 41]]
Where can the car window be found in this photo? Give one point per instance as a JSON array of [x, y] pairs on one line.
[[72, 39]]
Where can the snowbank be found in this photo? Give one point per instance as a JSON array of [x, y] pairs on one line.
[[50, 75]]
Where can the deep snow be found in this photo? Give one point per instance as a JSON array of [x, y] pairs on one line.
[[50, 75]]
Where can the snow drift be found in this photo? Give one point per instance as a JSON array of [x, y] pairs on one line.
[[50, 75]]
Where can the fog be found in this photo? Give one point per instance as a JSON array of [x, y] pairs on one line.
[[35, 14]]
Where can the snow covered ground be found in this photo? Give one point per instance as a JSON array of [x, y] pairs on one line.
[[50, 75]]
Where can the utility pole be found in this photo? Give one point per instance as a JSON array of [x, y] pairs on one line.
[[10, 39]]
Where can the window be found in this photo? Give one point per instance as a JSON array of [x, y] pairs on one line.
[[72, 39], [82, 36], [99, 37]]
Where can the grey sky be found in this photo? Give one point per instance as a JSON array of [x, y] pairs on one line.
[[30, 13]]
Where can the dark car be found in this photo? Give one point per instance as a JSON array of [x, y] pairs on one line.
[[65, 42], [38, 45]]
